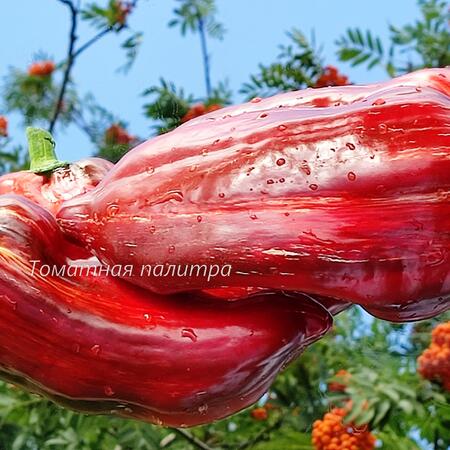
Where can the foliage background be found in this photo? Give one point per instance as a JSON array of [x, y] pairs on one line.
[[151, 95]]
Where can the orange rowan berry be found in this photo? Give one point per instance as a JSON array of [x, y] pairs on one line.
[[198, 110], [3, 126], [41, 68], [434, 362], [116, 134], [259, 413], [213, 107], [123, 9], [331, 77], [336, 386], [331, 433]]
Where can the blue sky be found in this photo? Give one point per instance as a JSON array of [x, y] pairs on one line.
[[255, 28]]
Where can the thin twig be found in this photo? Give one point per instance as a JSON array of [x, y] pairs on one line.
[[192, 439], [99, 35], [73, 54], [202, 32], [69, 64], [79, 121], [261, 435], [91, 41]]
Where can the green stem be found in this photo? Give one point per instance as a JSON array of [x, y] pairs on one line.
[[41, 148]]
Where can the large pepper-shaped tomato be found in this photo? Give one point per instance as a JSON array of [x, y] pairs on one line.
[[101, 345], [341, 192]]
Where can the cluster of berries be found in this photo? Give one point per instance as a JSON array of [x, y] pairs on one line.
[[331, 77], [122, 10], [331, 433], [41, 69], [117, 135], [198, 110], [434, 362], [261, 413], [3, 126], [339, 386]]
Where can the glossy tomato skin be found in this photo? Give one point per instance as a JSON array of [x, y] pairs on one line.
[[340, 192], [101, 345], [50, 190]]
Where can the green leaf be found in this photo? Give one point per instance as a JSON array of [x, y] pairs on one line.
[[406, 406], [369, 39], [373, 63], [382, 410], [365, 417], [391, 393], [360, 59], [379, 45], [359, 37], [358, 406], [348, 53]]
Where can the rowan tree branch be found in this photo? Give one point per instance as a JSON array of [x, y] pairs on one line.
[[205, 54], [91, 41], [192, 439], [69, 63], [262, 435]]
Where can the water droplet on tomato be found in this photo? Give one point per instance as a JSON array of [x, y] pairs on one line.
[[221, 195], [305, 168], [12, 302], [112, 210], [108, 391], [313, 187], [189, 333], [199, 219], [253, 216], [282, 127], [270, 181], [171, 248], [263, 115], [255, 100], [379, 101], [350, 146], [96, 349], [351, 176], [281, 161]]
